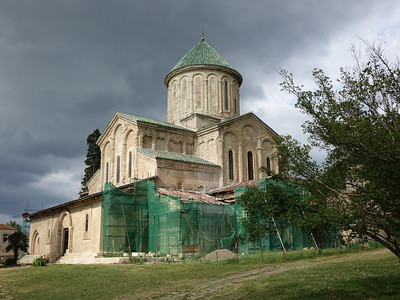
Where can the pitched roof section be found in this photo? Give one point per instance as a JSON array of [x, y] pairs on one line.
[[202, 54], [6, 227], [152, 121], [249, 114], [177, 157]]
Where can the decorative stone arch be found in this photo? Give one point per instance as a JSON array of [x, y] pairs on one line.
[[175, 97], [127, 133], [184, 83], [118, 150], [35, 245], [198, 92], [106, 152], [249, 137], [64, 234], [118, 137], [130, 141], [267, 149], [235, 98]]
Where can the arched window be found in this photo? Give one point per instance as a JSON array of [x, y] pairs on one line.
[[118, 168], [230, 158], [106, 172], [268, 164], [87, 223], [226, 98], [250, 165], [130, 165]]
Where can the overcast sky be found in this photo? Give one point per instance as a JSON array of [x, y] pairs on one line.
[[67, 66]]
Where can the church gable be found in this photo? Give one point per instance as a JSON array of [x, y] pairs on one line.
[[241, 145]]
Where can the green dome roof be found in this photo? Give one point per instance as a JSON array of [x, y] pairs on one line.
[[202, 54]]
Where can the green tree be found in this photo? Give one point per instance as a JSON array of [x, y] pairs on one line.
[[281, 203], [357, 123], [92, 161], [14, 224], [17, 241]]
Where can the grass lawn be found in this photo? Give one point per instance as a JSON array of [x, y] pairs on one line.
[[372, 274]]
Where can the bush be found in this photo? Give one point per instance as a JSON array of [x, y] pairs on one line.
[[9, 261], [39, 262]]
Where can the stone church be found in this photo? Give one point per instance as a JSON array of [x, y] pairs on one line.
[[206, 146]]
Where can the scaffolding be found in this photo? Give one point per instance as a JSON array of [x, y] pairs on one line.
[[145, 221]]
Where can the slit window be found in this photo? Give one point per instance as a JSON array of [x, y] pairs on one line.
[[250, 165], [226, 98], [118, 168], [130, 165], [106, 172], [268, 164], [230, 158], [86, 223]]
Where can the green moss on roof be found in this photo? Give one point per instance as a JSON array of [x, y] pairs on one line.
[[151, 121], [202, 54], [176, 156]]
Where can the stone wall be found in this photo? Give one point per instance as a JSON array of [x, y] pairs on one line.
[[81, 222]]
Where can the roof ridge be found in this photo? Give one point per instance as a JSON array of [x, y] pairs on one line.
[[152, 121], [177, 156]]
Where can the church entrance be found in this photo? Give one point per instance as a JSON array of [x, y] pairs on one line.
[[65, 240]]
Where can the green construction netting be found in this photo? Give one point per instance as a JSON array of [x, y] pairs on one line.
[[285, 236], [143, 221]]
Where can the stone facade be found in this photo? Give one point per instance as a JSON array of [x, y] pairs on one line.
[[5, 232], [206, 144], [73, 227]]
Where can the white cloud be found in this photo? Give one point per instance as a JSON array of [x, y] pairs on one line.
[[5, 218], [63, 183]]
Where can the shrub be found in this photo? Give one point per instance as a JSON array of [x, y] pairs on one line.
[[39, 262], [9, 261]]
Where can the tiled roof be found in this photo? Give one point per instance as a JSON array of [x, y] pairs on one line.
[[231, 188], [4, 226], [151, 121], [203, 54], [176, 156], [189, 195]]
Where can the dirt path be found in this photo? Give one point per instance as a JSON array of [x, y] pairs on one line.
[[209, 288]]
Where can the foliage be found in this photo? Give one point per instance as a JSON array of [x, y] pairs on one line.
[[14, 224], [358, 125], [284, 203], [92, 161], [9, 261], [17, 241], [40, 262]]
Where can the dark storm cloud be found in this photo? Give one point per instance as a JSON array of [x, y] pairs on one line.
[[67, 66]]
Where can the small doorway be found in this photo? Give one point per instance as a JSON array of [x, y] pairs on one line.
[[65, 239]]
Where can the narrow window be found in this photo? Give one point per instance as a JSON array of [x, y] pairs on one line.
[[235, 105], [48, 233], [5, 238], [87, 223], [250, 165], [130, 165], [118, 167], [106, 172], [226, 96], [268, 164], [230, 157]]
